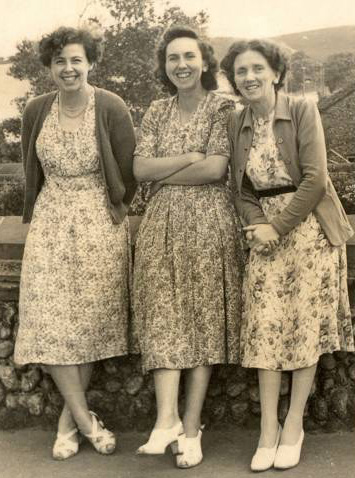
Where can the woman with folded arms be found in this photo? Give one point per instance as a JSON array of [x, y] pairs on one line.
[[296, 305], [187, 277]]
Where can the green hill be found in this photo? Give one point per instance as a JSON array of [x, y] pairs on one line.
[[317, 44]]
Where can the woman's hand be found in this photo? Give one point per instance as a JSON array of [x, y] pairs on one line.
[[262, 235]]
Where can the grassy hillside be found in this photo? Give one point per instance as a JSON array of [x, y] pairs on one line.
[[317, 44]]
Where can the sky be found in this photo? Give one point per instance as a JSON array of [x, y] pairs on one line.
[[236, 18]]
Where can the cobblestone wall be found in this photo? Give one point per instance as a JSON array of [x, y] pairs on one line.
[[125, 398]]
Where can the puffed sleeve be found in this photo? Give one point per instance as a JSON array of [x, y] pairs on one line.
[[218, 143], [147, 141]]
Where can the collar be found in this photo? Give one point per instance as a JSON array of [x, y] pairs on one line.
[[282, 111]]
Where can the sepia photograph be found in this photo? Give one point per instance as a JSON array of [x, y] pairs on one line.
[[177, 238]]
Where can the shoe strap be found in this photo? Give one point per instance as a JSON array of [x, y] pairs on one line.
[[95, 432], [65, 436]]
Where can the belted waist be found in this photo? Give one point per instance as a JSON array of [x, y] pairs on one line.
[[275, 191]]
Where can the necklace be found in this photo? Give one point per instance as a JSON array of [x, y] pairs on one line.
[[72, 112]]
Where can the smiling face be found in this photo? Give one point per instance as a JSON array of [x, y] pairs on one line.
[[70, 68], [184, 64], [254, 77]]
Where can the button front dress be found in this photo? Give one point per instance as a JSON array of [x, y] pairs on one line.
[[296, 304], [74, 294], [188, 259]]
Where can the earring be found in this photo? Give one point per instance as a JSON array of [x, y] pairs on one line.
[[205, 68]]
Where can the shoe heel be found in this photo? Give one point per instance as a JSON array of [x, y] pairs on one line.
[[174, 447]]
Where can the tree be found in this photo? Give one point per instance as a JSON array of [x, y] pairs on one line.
[[301, 69], [128, 64], [339, 70], [127, 67], [10, 150]]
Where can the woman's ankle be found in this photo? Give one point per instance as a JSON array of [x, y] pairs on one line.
[[66, 422], [191, 426], [293, 427], [268, 432], [166, 421]]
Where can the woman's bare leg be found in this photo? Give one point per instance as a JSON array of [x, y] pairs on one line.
[[269, 387], [302, 381], [66, 421], [69, 382], [197, 380], [166, 383]]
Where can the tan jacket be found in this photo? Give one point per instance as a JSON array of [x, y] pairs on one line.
[[300, 139]]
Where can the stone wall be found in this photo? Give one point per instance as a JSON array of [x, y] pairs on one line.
[[125, 398]]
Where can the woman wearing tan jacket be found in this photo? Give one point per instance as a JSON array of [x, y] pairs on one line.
[[295, 291]]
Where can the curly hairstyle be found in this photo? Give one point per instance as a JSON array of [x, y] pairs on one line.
[[208, 78], [53, 43], [275, 55]]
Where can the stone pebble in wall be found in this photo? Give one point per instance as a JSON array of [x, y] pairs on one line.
[[6, 348]]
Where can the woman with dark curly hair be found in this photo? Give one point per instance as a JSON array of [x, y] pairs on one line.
[[187, 277], [295, 298], [77, 145]]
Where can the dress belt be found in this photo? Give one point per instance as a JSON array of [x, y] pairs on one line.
[[262, 193]]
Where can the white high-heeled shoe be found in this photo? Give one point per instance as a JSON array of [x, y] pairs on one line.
[[264, 457], [288, 456], [64, 448], [101, 439], [190, 451], [160, 438]]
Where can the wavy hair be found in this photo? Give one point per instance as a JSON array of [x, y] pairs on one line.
[[208, 78], [53, 43], [276, 56]]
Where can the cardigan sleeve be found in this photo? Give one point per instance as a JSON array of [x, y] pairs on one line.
[[26, 131], [122, 139], [312, 159]]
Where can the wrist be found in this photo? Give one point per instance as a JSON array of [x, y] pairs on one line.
[[275, 230]]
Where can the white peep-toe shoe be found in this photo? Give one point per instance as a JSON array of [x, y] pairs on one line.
[[102, 439], [190, 451], [288, 456], [64, 448], [264, 457], [160, 438]]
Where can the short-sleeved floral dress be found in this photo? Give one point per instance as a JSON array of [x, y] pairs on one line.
[[74, 294], [296, 304], [188, 259]]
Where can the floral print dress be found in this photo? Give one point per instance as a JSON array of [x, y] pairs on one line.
[[74, 295], [188, 259], [296, 304]]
